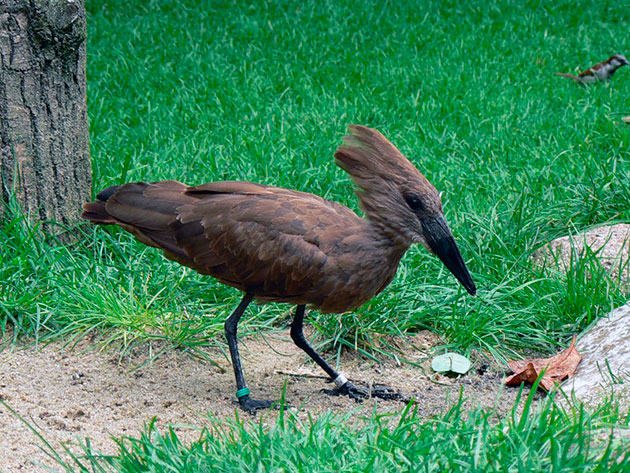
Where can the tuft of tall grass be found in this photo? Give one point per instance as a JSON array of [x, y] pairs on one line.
[[105, 283], [546, 438]]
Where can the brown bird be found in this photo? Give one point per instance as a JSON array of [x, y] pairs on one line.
[[602, 71], [281, 245]]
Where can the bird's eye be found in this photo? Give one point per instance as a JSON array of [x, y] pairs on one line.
[[414, 203]]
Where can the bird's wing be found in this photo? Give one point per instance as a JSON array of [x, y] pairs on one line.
[[147, 210], [589, 72], [270, 241], [273, 242], [250, 188], [228, 187]]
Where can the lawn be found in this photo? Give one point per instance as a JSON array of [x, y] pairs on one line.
[[203, 91]]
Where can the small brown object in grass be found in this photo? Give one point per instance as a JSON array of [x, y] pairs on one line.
[[557, 368]]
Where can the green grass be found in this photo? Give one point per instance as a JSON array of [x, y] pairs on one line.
[[545, 439], [263, 91], [52, 290]]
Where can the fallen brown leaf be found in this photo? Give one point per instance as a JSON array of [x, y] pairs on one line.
[[558, 368]]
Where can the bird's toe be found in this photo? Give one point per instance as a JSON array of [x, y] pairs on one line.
[[385, 392], [252, 405], [359, 393]]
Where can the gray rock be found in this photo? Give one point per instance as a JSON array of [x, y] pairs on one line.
[[605, 366], [610, 244]]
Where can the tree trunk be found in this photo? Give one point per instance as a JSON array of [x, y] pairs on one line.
[[45, 158]]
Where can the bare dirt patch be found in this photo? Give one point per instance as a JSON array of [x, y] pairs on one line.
[[69, 395]]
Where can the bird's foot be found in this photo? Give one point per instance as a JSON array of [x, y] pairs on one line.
[[385, 392], [252, 405], [359, 393]]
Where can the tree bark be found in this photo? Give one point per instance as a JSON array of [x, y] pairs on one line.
[[45, 159]]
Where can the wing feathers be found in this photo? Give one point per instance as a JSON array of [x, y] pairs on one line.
[[265, 240], [95, 212], [227, 187]]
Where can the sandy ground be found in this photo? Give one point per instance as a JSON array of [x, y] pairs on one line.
[[72, 394]]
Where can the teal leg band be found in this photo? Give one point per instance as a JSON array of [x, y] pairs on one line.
[[242, 393]]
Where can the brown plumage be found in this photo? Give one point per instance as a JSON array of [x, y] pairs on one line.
[[281, 245], [601, 71]]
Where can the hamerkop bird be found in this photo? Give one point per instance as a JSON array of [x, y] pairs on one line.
[[281, 245]]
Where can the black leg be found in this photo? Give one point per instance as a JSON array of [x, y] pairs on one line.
[[344, 387], [298, 338], [242, 393]]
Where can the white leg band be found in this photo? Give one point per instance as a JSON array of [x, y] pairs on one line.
[[340, 380]]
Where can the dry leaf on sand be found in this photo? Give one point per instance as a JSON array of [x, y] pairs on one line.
[[558, 368]]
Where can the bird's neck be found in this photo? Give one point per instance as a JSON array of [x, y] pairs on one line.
[[387, 225], [390, 240], [385, 217]]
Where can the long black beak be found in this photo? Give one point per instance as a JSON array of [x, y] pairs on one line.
[[441, 241]]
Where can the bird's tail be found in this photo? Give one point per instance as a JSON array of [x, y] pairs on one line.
[[144, 209], [568, 76], [96, 212]]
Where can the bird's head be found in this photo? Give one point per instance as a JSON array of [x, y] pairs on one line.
[[398, 199], [618, 60]]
